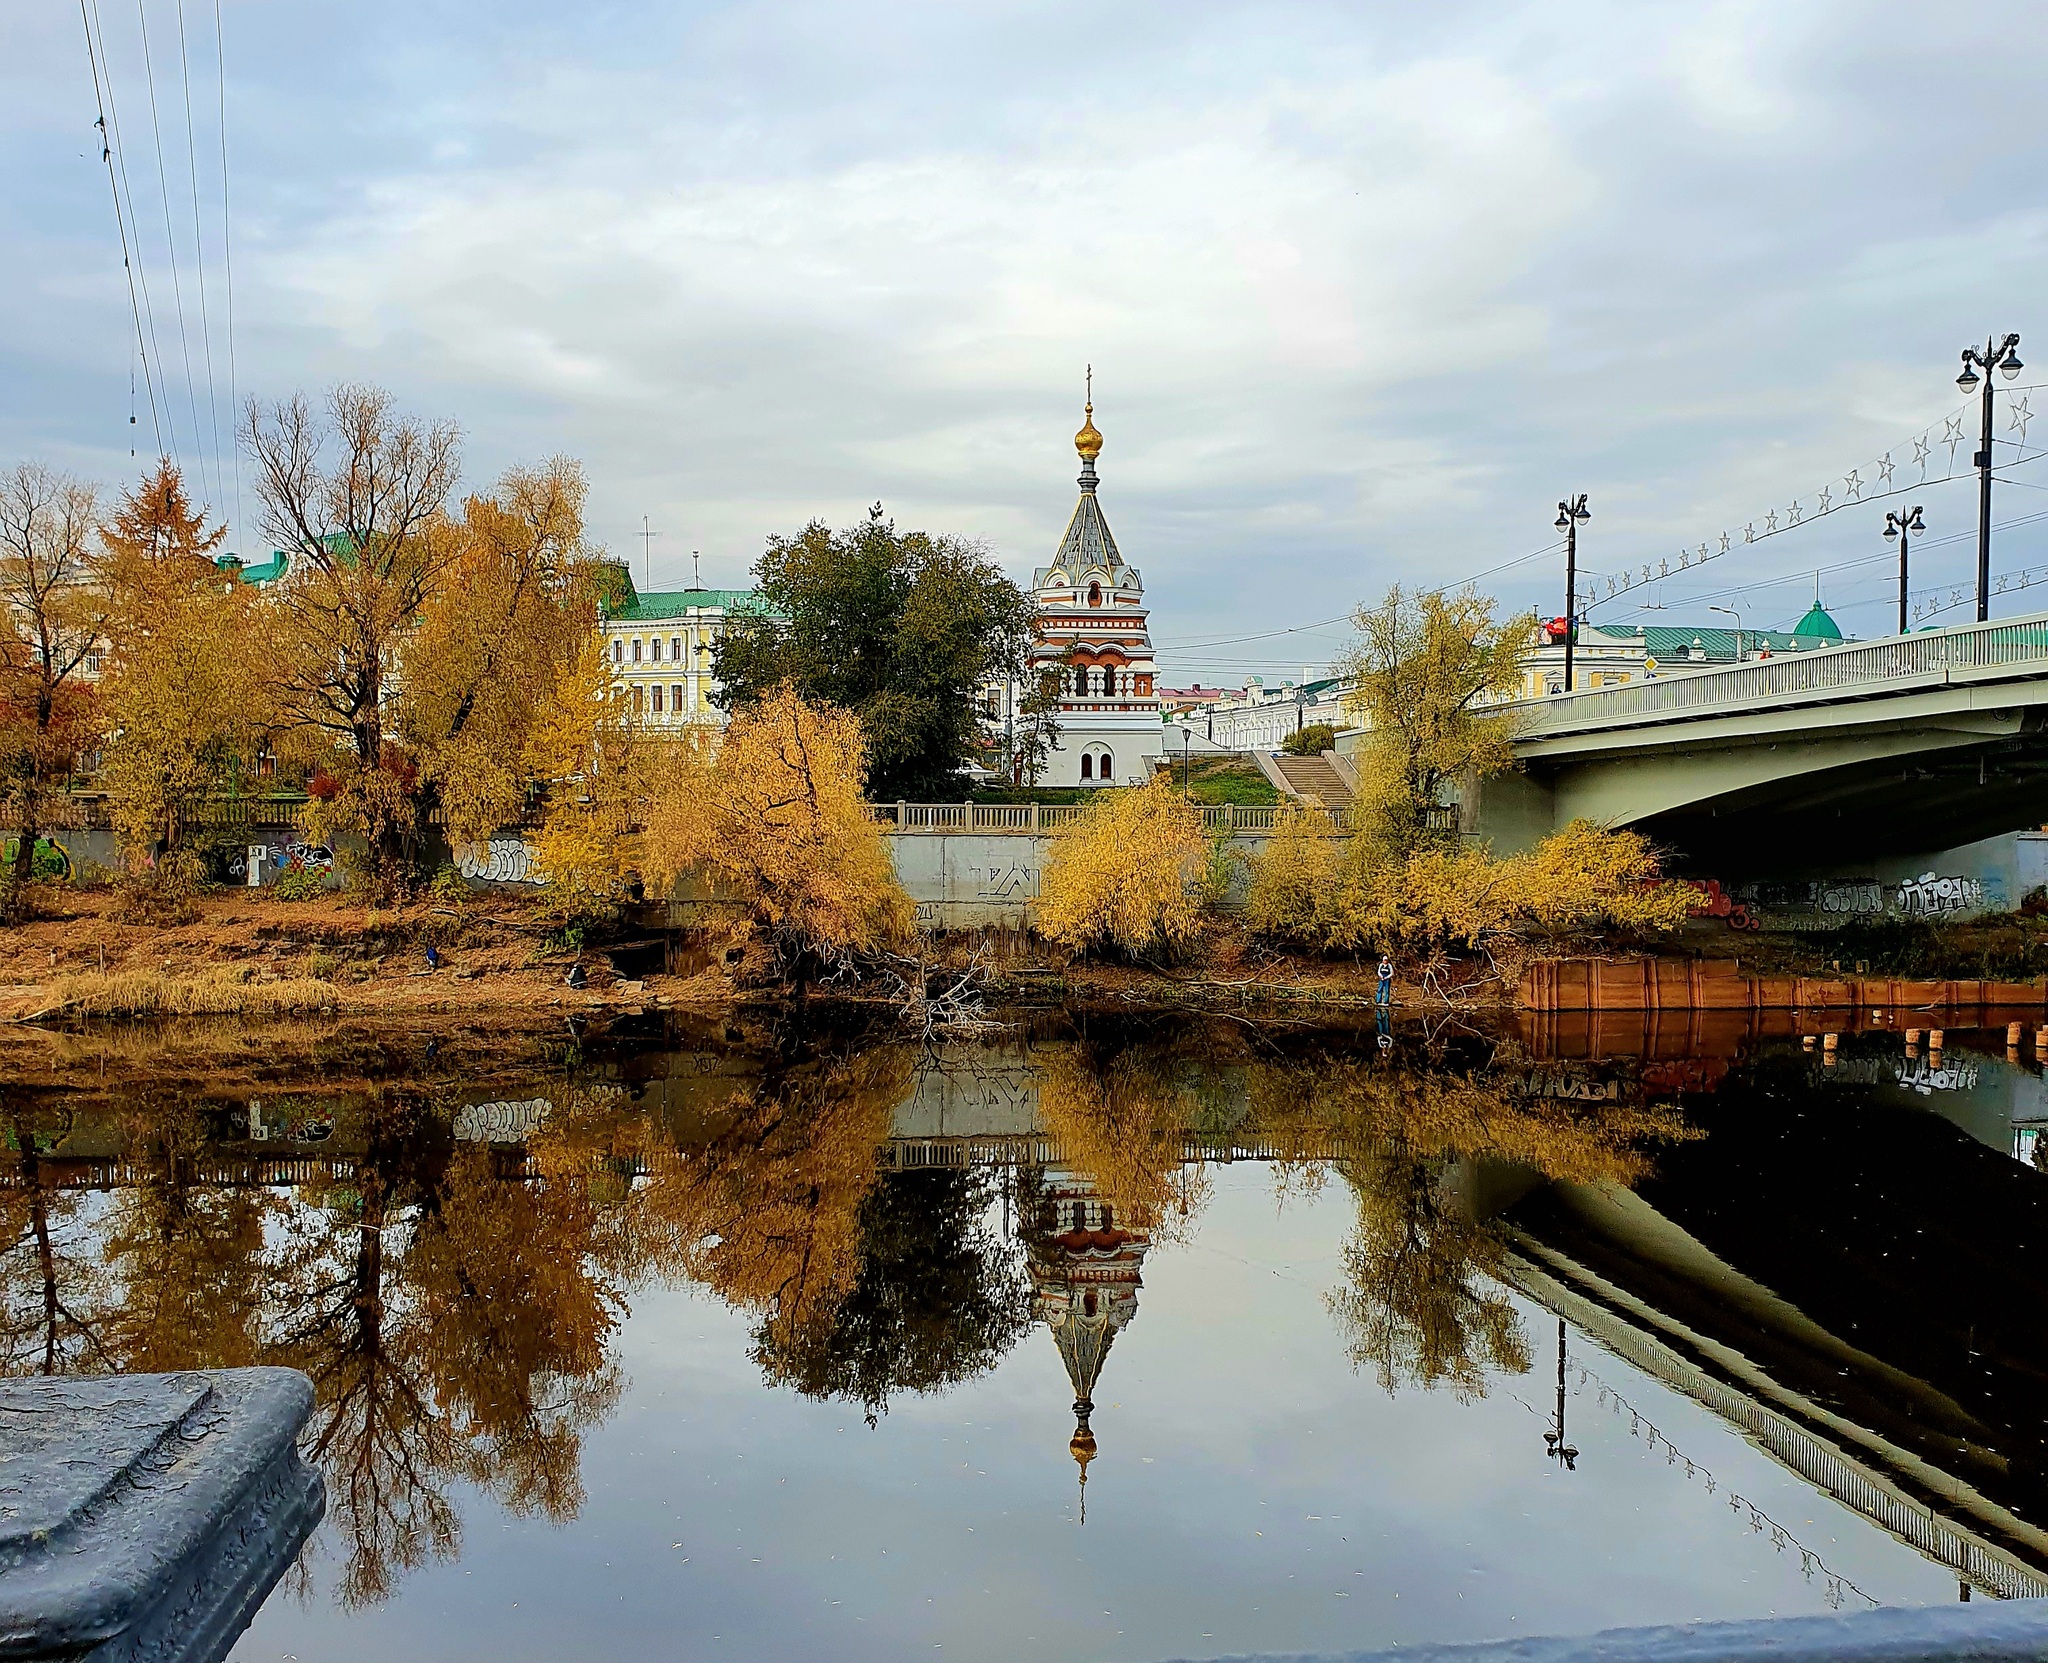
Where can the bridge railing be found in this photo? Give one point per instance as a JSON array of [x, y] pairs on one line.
[[1847, 670], [1049, 817]]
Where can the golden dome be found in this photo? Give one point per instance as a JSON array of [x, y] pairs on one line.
[[1082, 1447], [1088, 442]]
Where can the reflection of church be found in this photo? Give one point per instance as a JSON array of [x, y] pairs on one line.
[[1085, 1273], [1092, 631]]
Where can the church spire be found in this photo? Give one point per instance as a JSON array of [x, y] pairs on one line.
[[1088, 442]]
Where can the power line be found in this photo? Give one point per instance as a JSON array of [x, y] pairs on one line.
[[169, 418], [170, 236], [121, 225], [199, 249], [220, 57]]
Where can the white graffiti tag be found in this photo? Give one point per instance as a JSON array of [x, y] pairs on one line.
[[501, 860], [1928, 894], [500, 1122]]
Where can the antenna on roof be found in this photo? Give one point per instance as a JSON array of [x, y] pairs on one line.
[[647, 552], [696, 571]]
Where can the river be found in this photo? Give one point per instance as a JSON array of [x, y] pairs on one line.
[[1088, 1339]]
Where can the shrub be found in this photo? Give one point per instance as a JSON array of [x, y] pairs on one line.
[[321, 967], [299, 883], [1312, 740], [1127, 873]]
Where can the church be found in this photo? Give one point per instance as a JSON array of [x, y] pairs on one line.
[[1091, 631]]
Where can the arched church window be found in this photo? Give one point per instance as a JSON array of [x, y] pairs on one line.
[[1108, 683], [1088, 1303], [1081, 682], [1087, 766], [1105, 766], [1094, 594]]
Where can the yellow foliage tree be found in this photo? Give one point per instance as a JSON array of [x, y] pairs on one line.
[[1424, 668], [599, 774], [181, 708], [1126, 873], [774, 817]]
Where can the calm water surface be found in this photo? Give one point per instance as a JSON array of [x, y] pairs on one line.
[[1127, 1342]]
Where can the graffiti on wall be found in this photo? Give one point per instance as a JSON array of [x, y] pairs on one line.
[[1004, 883], [500, 1122], [280, 854], [1928, 895], [1853, 897], [499, 860]]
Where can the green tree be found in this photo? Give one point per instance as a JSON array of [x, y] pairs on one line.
[[901, 628], [1038, 729]]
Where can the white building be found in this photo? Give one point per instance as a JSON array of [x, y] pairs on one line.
[[660, 646], [1092, 630]]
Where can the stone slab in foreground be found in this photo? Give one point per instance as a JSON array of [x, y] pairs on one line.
[[146, 1516]]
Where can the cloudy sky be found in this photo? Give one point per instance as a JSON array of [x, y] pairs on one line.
[[1366, 287]]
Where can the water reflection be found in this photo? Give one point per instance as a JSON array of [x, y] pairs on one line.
[[451, 1261]]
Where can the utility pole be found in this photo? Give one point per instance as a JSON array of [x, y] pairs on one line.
[[2002, 356], [1735, 613], [1904, 526], [647, 537], [1569, 513]]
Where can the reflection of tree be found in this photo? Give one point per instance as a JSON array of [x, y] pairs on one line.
[[55, 1282], [937, 1299], [768, 1213], [1422, 1299], [1122, 1121]]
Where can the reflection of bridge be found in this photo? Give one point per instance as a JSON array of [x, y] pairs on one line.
[[1918, 743]]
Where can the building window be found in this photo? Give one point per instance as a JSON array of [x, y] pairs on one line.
[[639, 700], [654, 649], [675, 648], [636, 649], [1081, 683], [1108, 683], [657, 698], [1094, 594], [675, 698], [1087, 766], [1105, 766], [618, 650]]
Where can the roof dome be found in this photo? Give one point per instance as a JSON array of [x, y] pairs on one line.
[[1818, 622], [1088, 442]]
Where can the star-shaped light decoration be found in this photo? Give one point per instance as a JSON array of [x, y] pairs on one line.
[[1685, 560], [1852, 487], [1770, 522], [1663, 568], [2021, 415], [1703, 548], [1884, 469], [1724, 542], [1921, 451], [1795, 513], [1749, 532], [1952, 436]]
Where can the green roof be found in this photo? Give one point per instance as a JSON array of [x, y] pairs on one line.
[[268, 572], [1817, 622], [1671, 644], [673, 603]]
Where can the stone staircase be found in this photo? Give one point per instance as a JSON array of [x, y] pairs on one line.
[[1314, 781]]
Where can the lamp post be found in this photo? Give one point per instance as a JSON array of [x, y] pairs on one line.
[[2002, 356], [1553, 1440], [1187, 741], [1904, 527], [1569, 513], [1731, 612]]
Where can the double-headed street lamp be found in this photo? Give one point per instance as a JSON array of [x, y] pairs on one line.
[[1729, 611], [2002, 356], [1906, 527], [1569, 513]]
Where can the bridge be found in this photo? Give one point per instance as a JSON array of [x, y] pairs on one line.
[[1922, 742]]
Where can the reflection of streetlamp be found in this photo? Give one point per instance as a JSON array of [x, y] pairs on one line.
[[1903, 526], [1569, 513], [1731, 612], [1187, 740], [2002, 356], [1553, 1440]]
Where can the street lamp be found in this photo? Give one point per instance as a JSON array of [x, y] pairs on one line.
[[1187, 740], [1569, 513], [1554, 1444], [1731, 612], [2002, 356], [1904, 527]]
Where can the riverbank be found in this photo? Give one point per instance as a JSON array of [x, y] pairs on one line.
[[242, 953]]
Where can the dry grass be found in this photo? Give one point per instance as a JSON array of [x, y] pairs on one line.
[[223, 991]]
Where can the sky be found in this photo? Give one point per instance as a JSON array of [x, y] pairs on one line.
[[1366, 288]]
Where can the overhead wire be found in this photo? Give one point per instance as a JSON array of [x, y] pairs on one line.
[[101, 96], [227, 251], [199, 249], [170, 235]]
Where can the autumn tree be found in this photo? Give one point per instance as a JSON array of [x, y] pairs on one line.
[[53, 618], [1038, 731], [598, 774], [181, 712], [500, 639], [357, 498], [1126, 873], [1423, 670], [901, 628], [773, 817]]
